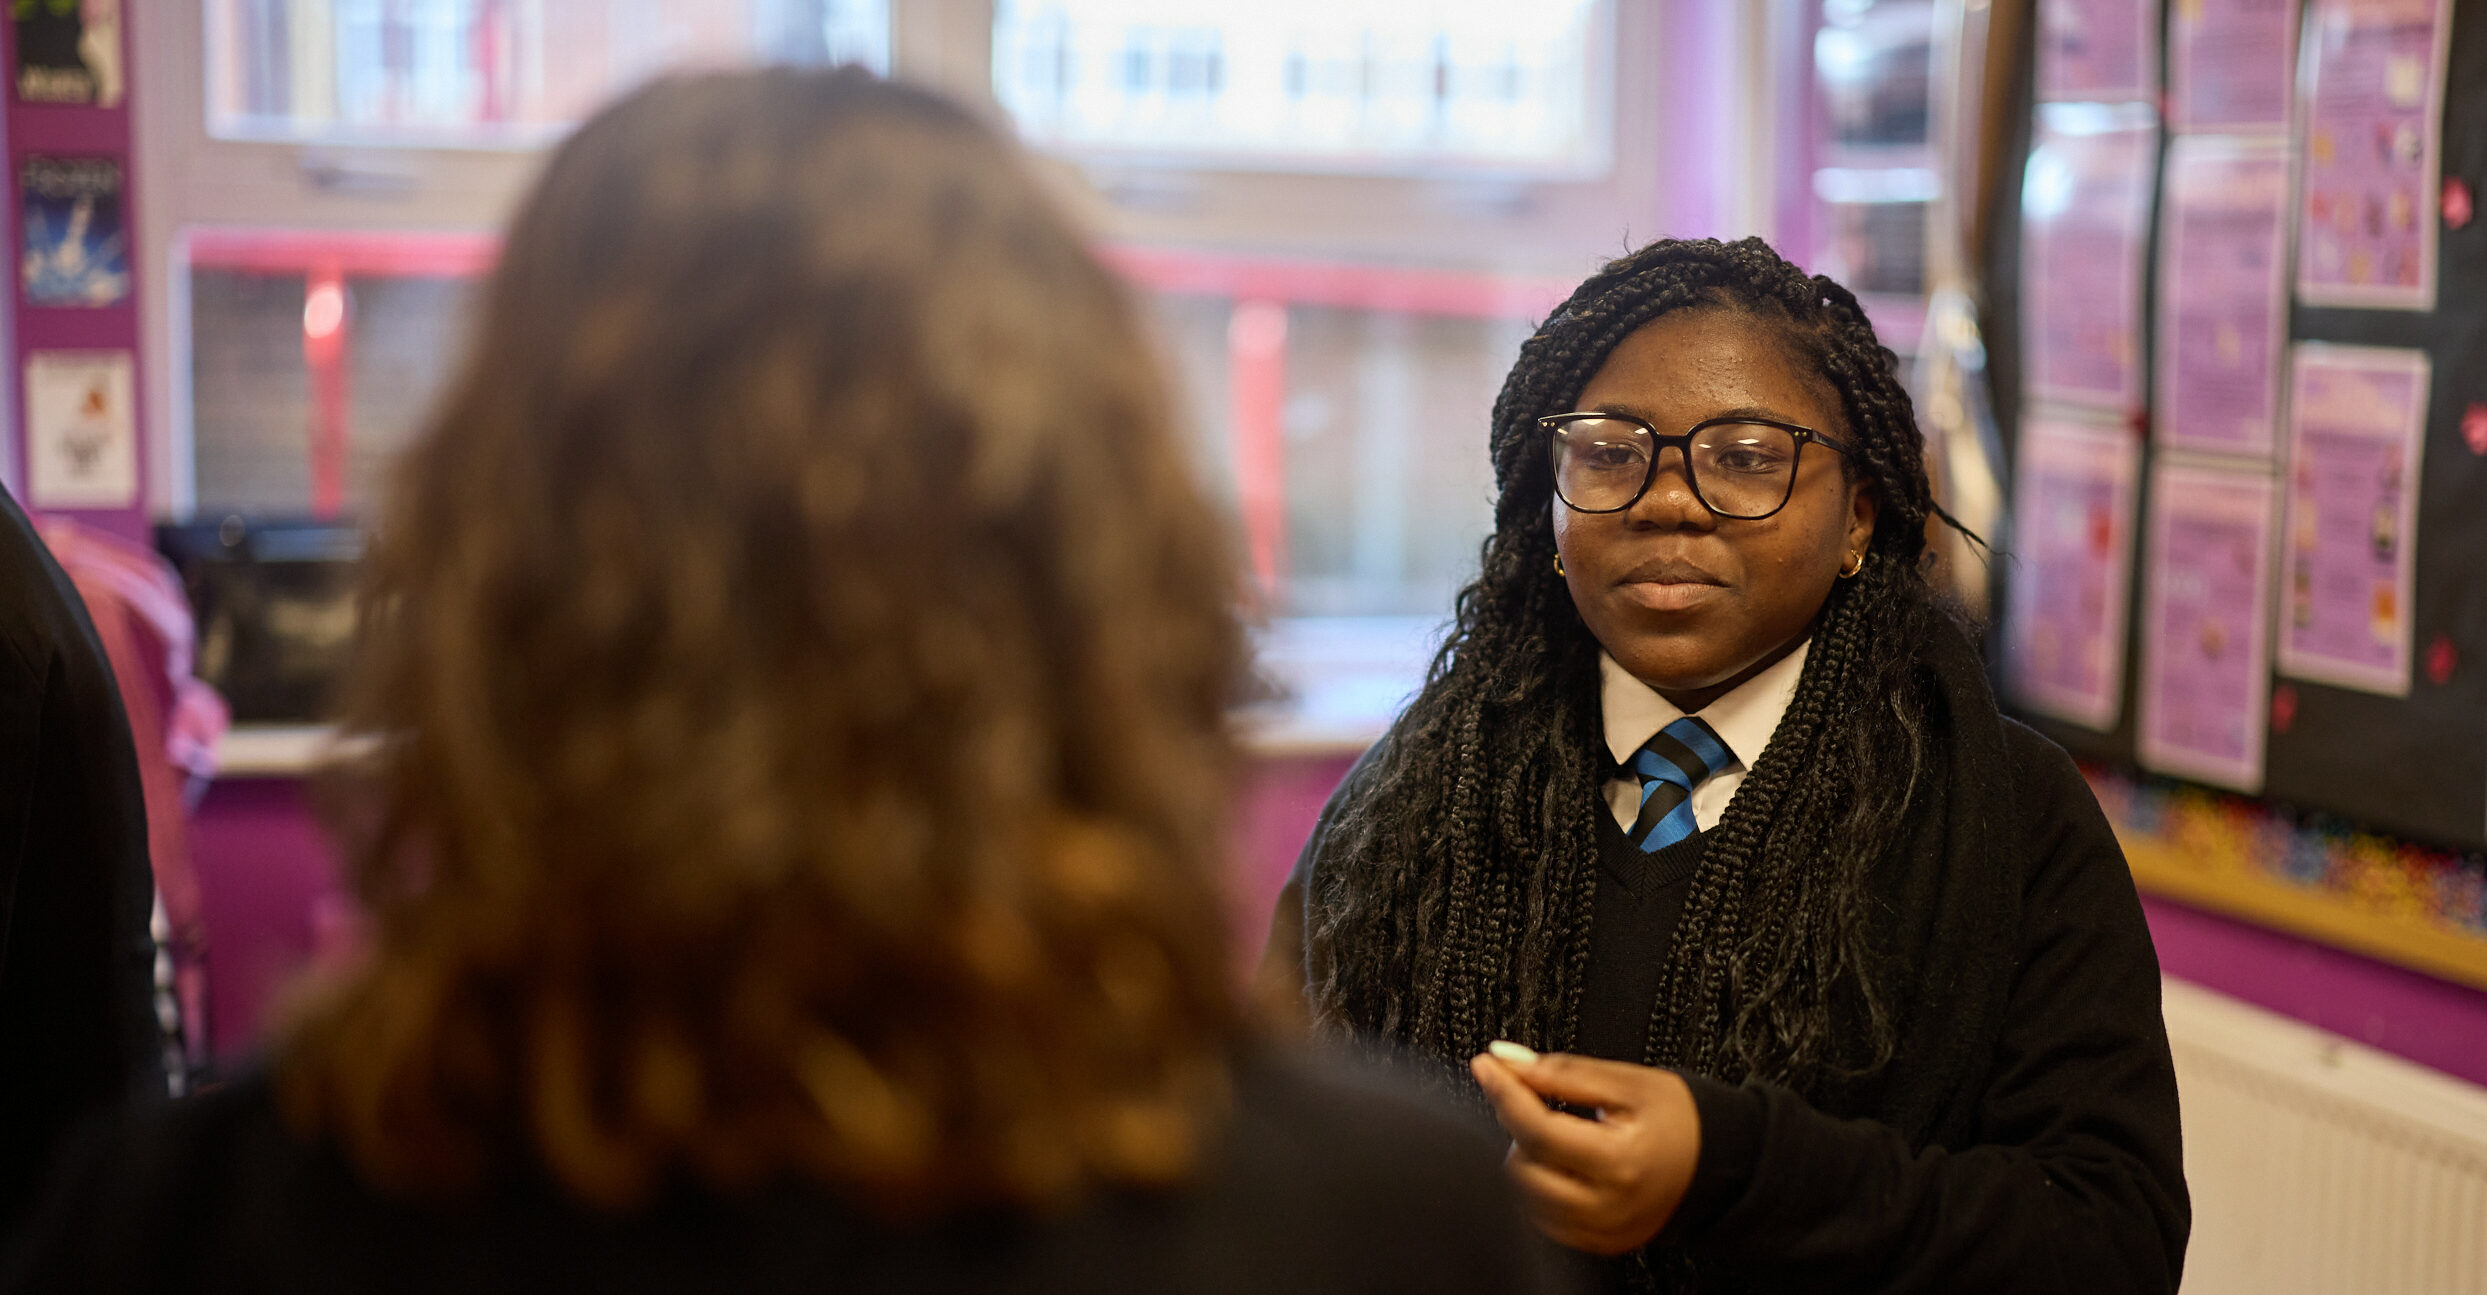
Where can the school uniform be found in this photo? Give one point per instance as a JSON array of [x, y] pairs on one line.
[[2024, 1135]]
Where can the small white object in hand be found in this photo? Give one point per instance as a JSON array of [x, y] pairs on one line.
[[1511, 1054]]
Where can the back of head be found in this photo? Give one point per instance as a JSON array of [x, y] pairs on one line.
[[795, 666]]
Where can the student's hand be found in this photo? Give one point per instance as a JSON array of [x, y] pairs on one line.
[[1604, 1185]]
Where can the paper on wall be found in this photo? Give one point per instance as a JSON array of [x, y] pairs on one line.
[[81, 430], [2206, 655], [2074, 495], [2357, 415]]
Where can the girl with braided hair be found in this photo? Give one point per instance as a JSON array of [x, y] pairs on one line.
[[1784, 958]]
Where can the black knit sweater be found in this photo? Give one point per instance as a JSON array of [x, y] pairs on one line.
[[2023, 1138]]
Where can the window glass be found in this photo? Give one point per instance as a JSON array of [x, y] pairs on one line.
[[249, 392], [1874, 60], [298, 404], [489, 73], [1364, 482], [1367, 85], [1377, 448], [1389, 487], [1874, 168]]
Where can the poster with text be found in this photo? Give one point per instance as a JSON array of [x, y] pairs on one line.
[[73, 246], [2372, 142], [2206, 615], [81, 430], [2223, 295], [2085, 211], [68, 51], [2357, 415], [2104, 51], [2231, 64], [2076, 483]]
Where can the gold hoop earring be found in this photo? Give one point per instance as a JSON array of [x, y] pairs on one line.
[[1558, 564], [1856, 563]]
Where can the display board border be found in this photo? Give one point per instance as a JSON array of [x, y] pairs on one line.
[[2417, 943]]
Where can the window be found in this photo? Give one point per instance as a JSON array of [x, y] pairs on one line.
[[312, 357], [1874, 176], [489, 73], [1362, 85], [1402, 191], [1341, 410], [290, 149]]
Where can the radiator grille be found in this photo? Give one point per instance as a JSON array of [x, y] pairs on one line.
[[2320, 1165]]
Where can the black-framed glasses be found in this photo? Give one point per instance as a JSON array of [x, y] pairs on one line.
[[1743, 468]]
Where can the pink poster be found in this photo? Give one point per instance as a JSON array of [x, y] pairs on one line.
[[2073, 528], [2356, 417], [2206, 645], [2374, 101], [2231, 64], [2085, 212], [2101, 51], [2223, 294]]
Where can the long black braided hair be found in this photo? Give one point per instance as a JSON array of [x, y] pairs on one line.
[[1451, 895]]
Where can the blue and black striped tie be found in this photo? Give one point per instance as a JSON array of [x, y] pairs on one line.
[[1670, 764]]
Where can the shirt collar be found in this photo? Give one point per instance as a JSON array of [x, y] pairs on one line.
[[1744, 718]]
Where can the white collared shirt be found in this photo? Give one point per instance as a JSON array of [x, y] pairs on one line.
[[1744, 719]]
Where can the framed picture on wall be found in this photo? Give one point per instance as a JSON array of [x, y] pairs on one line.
[[73, 241], [68, 51]]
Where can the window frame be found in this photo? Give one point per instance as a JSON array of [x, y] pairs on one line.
[[1692, 100]]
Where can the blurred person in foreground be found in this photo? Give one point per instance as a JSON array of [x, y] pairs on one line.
[[78, 1030], [794, 684]]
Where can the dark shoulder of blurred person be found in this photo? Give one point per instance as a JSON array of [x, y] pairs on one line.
[[77, 1028], [1326, 1180]]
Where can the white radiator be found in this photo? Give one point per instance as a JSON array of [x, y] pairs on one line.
[[2319, 1165]]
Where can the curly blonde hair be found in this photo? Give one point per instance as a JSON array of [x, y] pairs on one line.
[[794, 677]]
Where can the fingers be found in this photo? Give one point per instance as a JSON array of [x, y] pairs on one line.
[[1611, 1086], [1548, 1137], [1515, 1105], [1570, 1212], [1603, 1185], [1552, 1196]]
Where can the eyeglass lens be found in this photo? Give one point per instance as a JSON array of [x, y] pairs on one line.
[[1738, 469]]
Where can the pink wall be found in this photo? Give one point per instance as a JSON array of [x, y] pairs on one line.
[[1281, 799], [2433, 1022], [268, 887]]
